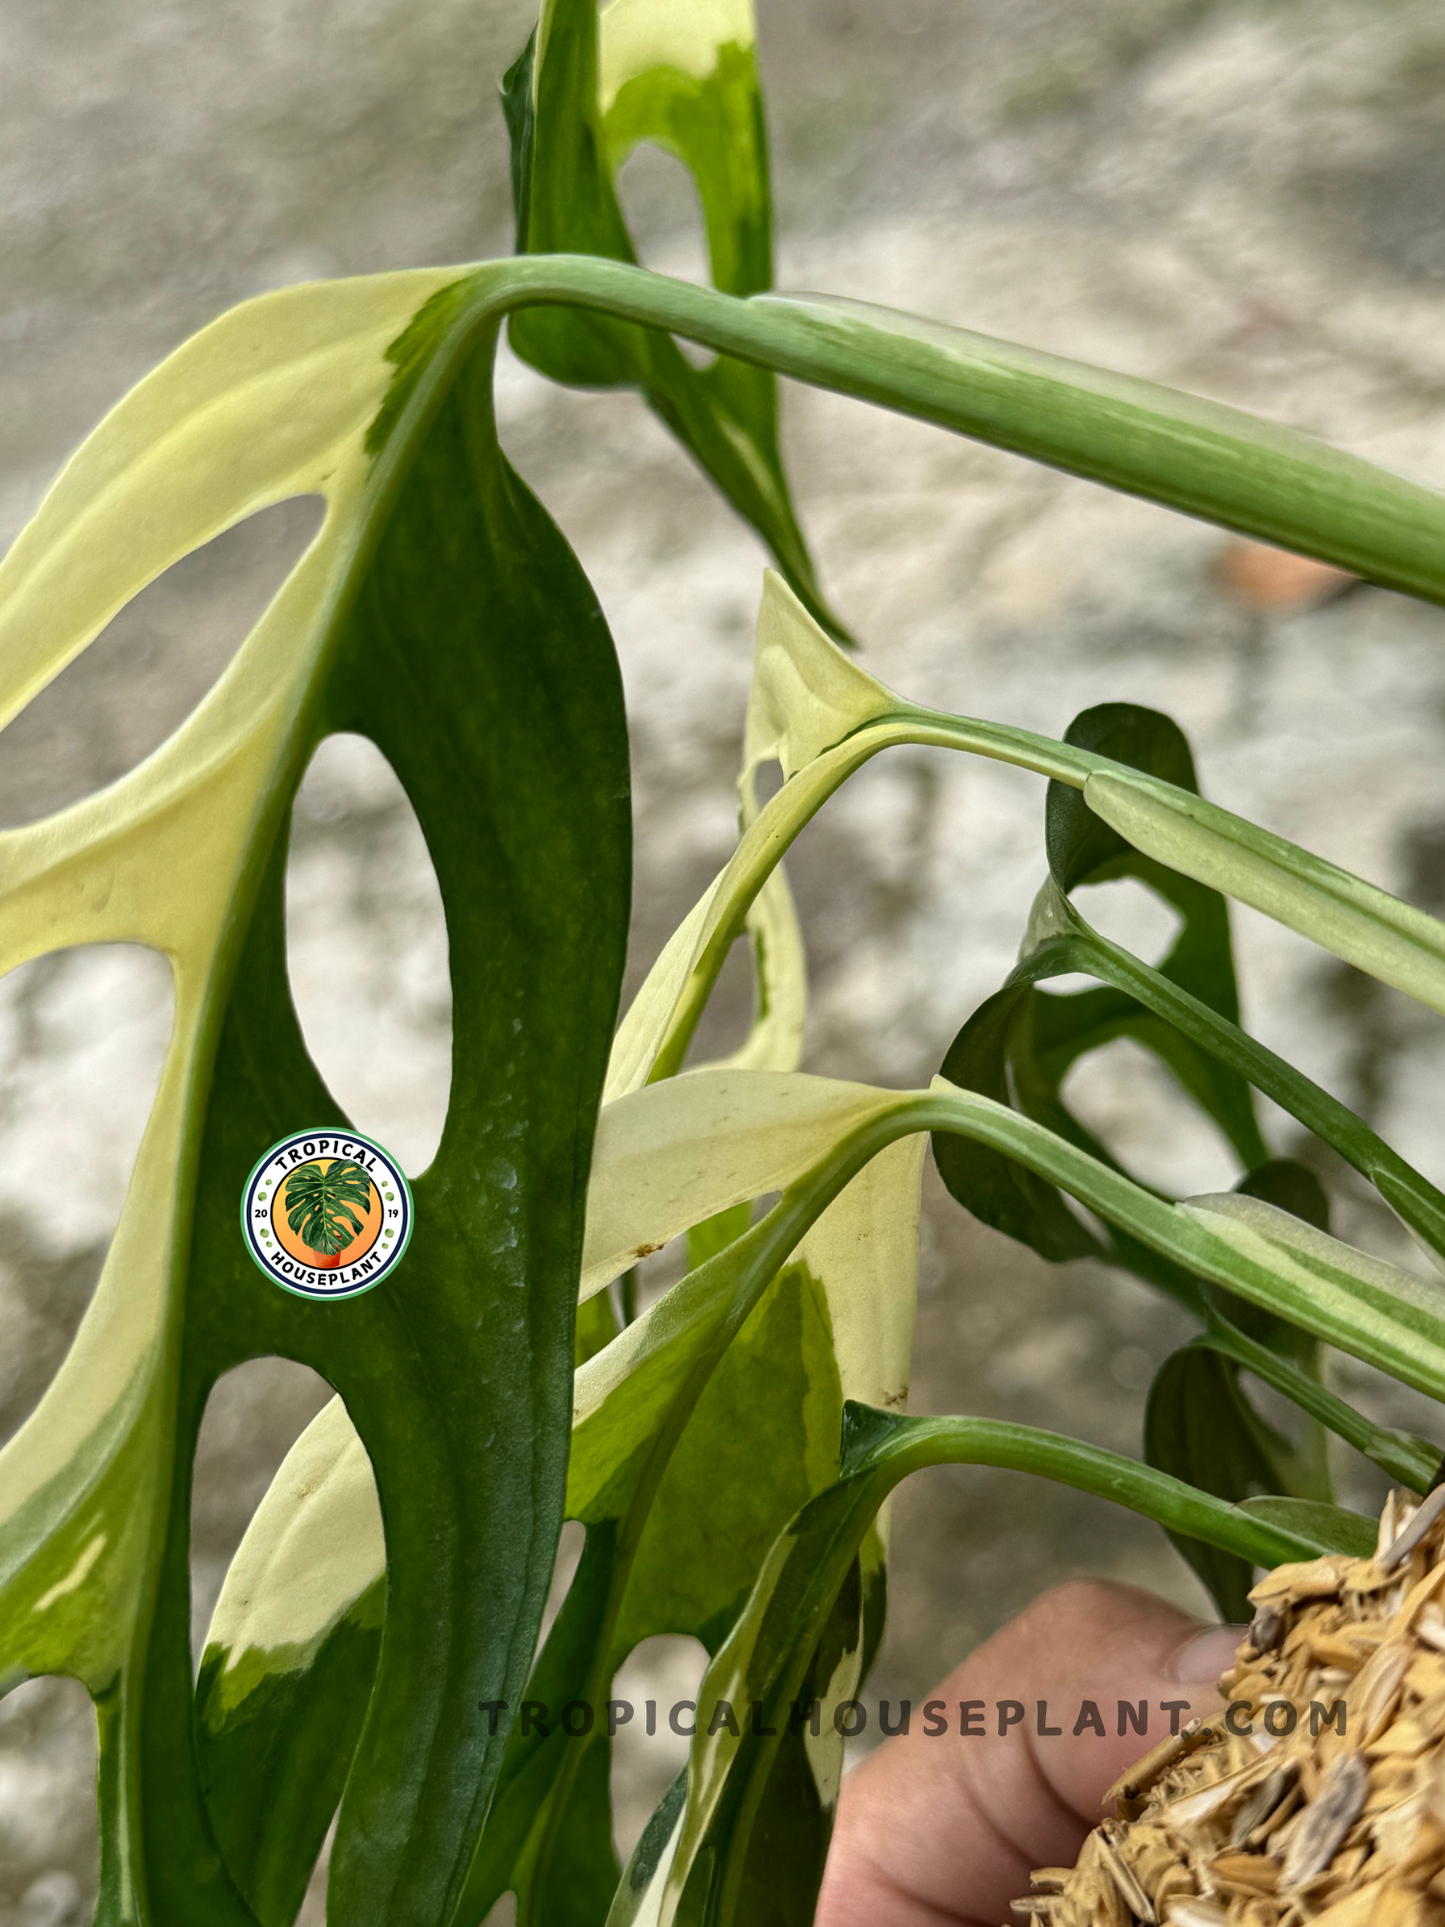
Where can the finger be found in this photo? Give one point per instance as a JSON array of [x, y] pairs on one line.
[[941, 1830]]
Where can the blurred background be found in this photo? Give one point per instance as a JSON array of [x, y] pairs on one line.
[[1241, 200]]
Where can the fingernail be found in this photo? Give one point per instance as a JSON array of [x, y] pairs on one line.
[[1205, 1656]]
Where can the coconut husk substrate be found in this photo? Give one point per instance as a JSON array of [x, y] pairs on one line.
[[1305, 1823]]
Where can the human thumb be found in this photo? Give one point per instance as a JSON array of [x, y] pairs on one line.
[[940, 1827]]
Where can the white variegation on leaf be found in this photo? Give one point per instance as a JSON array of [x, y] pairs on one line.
[[313, 1547], [1309, 1256], [678, 1152], [637, 37], [807, 694], [1352, 919]]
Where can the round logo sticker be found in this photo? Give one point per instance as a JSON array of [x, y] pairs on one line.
[[326, 1215]]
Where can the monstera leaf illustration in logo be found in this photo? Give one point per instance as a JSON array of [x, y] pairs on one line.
[[319, 1201]]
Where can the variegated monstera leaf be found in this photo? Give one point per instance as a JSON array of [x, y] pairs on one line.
[[730, 1450]]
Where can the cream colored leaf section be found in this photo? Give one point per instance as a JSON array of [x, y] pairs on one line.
[[269, 401], [713, 1758], [250, 412], [1350, 918], [807, 694], [636, 36], [642, 1029], [314, 1546], [630, 1909], [676, 1152], [780, 976], [864, 1252]]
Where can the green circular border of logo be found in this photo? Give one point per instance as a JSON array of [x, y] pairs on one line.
[[389, 1265]]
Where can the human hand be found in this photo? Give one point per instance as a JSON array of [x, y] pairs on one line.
[[935, 1831]]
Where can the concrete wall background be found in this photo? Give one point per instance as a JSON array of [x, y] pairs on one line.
[[1243, 200]]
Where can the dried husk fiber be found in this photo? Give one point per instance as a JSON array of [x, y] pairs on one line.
[[1218, 1829]]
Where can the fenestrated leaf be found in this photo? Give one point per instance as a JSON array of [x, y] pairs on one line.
[[262, 1649], [1060, 942], [210, 830], [1375, 1318], [216, 433], [440, 613], [321, 1203], [588, 89], [856, 1271]]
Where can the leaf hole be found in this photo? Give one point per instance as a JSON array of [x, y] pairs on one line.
[[83, 1038], [1125, 1096], [254, 1415], [151, 665], [767, 781], [366, 946], [725, 1022], [312, 1912], [50, 1868], [663, 212], [665, 1671], [564, 1571], [1133, 916]]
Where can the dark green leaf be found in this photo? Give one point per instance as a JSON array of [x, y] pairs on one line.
[[995, 1188], [759, 1435], [1020, 1045], [1416, 1200], [1198, 1426], [1411, 1461]]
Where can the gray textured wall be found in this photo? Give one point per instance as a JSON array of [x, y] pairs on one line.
[[1241, 200]]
